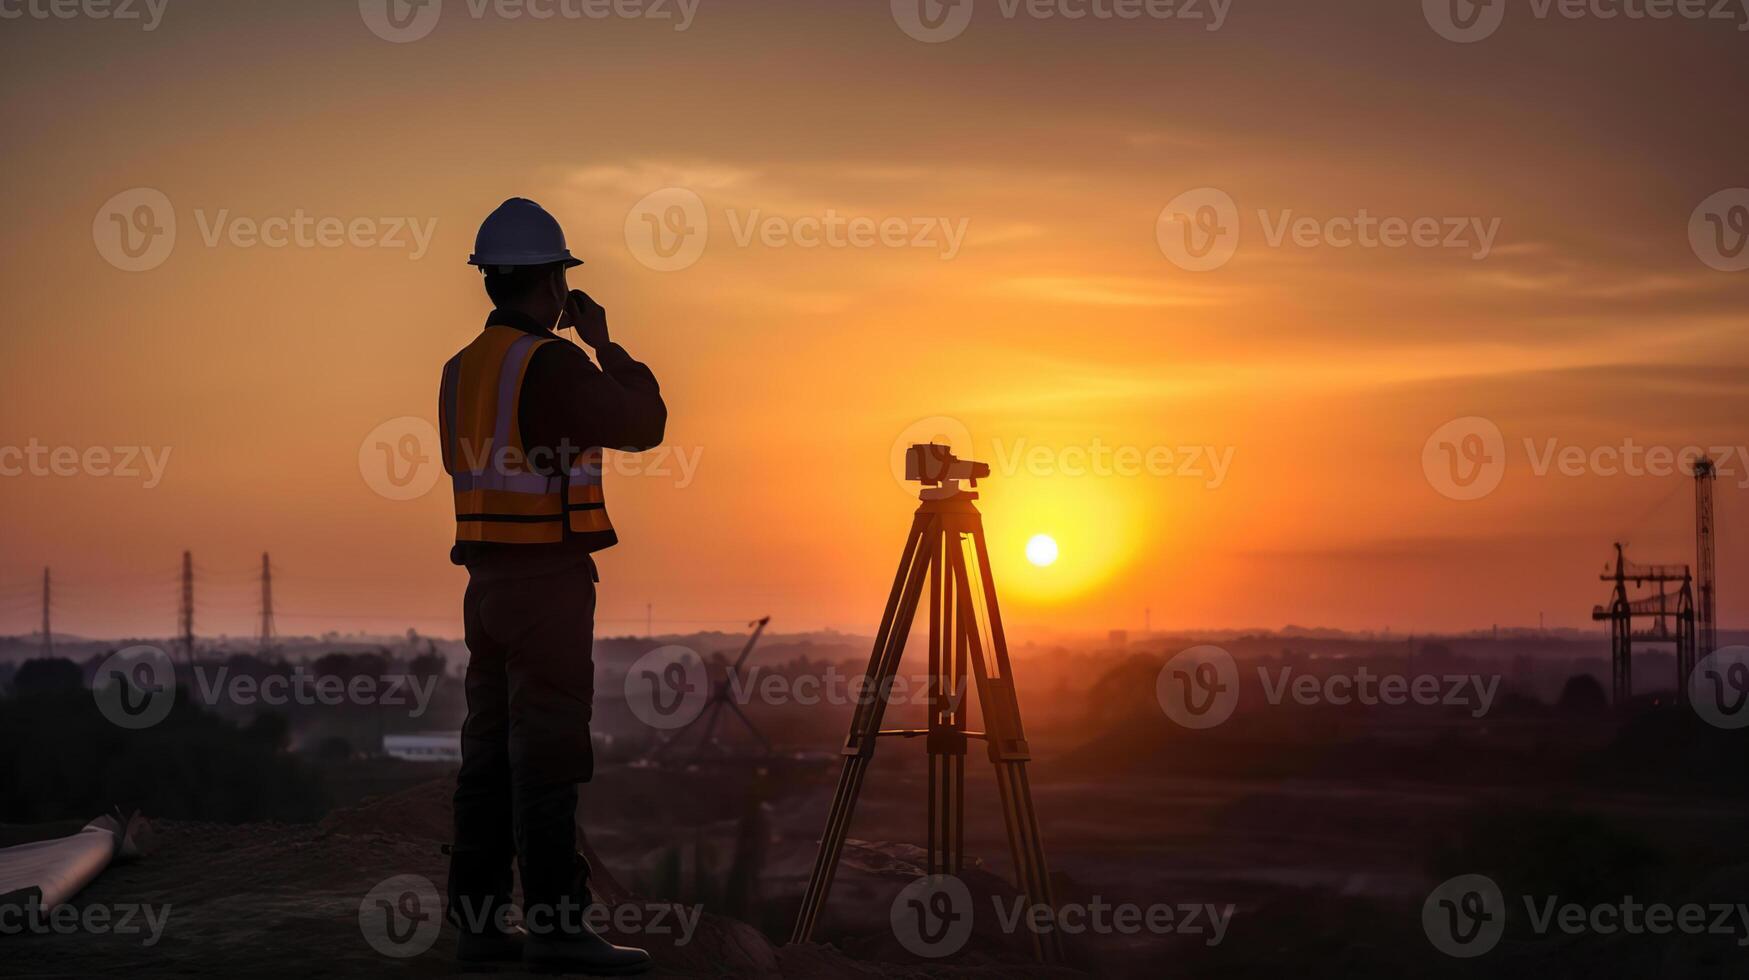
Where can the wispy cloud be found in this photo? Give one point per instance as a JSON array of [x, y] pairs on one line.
[[1112, 291]]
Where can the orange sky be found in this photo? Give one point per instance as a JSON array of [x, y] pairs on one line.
[[1058, 323]]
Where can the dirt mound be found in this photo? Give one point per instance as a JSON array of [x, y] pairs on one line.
[[272, 900]]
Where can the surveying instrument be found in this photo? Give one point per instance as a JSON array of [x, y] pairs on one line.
[[946, 553]]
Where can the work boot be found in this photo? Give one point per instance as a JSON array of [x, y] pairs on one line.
[[495, 946], [559, 937], [582, 951], [479, 907]]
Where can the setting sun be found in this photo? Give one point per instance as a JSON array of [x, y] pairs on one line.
[[1042, 550]]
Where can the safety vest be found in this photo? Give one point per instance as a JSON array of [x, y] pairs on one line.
[[498, 499]]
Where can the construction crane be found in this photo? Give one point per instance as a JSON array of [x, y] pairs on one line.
[[1662, 607], [1706, 612], [1692, 605], [722, 696]]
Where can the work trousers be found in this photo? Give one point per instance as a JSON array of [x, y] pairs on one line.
[[525, 745]]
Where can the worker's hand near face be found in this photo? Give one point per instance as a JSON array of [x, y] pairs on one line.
[[588, 318]]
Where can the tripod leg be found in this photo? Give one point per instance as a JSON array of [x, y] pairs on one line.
[[1003, 732], [947, 719], [866, 720]]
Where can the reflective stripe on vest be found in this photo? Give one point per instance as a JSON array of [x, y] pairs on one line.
[[497, 499]]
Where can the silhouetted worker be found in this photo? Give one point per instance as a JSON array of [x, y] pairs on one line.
[[524, 416]]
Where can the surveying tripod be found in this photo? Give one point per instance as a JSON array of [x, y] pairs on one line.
[[945, 543]]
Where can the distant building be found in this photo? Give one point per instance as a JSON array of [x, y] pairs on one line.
[[447, 746], [1118, 638], [425, 746]]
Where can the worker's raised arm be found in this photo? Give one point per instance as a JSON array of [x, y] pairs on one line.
[[617, 406]]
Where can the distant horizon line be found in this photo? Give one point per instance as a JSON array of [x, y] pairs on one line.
[[1131, 635]]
